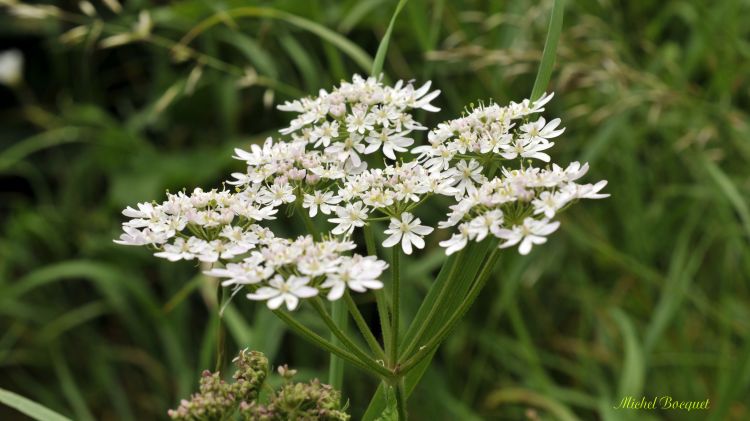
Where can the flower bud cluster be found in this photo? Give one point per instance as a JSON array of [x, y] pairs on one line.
[[217, 398]]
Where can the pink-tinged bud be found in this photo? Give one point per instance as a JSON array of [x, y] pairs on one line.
[[312, 178]]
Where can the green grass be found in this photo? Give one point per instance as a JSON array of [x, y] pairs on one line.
[[644, 293]]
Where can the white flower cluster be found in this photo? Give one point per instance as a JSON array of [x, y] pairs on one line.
[[360, 117], [516, 206], [300, 269], [481, 161]]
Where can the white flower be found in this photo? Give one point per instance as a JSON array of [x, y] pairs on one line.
[[549, 203], [353, 215], [531, 232], [407, 231], [526, 147], [359, 121], [278, 193], [11, 67], [357, 273], [179, 250], [466, 175], [483, 224], [539, 131], [391, 141], [248, 272], [322, 200], [286, 292], [457, 241], [591, 191]]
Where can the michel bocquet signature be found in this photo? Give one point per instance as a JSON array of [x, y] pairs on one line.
[[662, 402]]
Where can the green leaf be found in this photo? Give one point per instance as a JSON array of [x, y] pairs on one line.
[[29, 407]]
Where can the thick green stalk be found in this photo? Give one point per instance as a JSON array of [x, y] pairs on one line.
[[395, 303], [401, 400], [363, 328]]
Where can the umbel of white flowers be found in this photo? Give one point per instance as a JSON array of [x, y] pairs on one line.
[[483, 162]]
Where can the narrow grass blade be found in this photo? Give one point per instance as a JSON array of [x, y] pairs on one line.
[[377, 64], [531, 398], [29, 407], [634, 365], [550, 49], [359, 56]]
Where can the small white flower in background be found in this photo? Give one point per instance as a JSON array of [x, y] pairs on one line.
[[280, 291], [407, 231], [531, 232], [11, 67]]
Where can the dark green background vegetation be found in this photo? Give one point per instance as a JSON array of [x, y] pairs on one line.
[[645, 293]]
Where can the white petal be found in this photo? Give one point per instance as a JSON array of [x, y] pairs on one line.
[[392, 240]]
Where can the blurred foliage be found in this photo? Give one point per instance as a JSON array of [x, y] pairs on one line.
[[645, 293]]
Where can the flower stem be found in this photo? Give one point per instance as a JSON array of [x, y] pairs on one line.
[[336, 364], [309, 225], [437, 306], [221, 333], [363, 328], [385, 325], [426, 349], [395, 303], [351, 346], [330, 347]]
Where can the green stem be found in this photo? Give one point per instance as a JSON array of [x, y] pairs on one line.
[[336, 365], [221, 331], [351, 346], [395, 304], [436, 340], [318, 340], [438, 305], [385, 326], [401, 400], [363, 328], [309, 225]]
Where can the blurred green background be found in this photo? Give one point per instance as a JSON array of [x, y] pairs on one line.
[[646, 293]]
